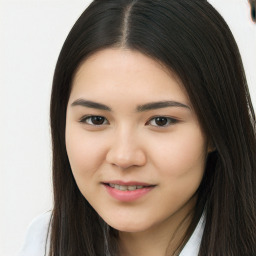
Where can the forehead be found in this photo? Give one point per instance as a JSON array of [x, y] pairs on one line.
[[122, 73]]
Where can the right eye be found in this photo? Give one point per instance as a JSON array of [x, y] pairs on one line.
[[94, 120]]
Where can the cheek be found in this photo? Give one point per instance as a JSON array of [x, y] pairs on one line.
[[182, 153], [181, 166], [85, 152]]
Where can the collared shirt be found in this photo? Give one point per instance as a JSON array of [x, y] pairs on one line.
[[193, 245], [36, 236]]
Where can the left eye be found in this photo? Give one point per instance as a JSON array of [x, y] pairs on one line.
[[94, 120], [161, 121]]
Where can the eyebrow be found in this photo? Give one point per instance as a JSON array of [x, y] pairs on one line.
[[160, 104], [90, 104], [140, 108]]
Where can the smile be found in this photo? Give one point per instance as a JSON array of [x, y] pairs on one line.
[[127, 192], [125, 188]]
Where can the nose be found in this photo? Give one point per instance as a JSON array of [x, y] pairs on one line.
[[126, 151]]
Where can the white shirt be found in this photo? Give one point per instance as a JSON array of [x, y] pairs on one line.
[[36, 236]]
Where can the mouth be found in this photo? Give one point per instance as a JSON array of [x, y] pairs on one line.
[[127, 191], [127, 187]]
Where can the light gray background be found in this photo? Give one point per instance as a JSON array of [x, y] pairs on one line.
[[32, 34]]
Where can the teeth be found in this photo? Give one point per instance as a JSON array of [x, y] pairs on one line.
[[125, 188], [131, 188]]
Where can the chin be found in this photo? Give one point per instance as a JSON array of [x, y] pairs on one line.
[[128, 226], [128, 229]]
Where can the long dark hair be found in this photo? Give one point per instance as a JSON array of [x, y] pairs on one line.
[[193, 41]]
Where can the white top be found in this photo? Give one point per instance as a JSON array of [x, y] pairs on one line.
[[35, 241], [36, 235]]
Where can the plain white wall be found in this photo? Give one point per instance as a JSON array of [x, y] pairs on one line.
[[32, 34]]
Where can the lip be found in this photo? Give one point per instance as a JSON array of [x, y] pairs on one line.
[[127, 183], [128, 196]]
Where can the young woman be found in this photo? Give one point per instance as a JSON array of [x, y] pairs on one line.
[[153, 135]]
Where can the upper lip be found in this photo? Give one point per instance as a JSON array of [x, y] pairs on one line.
[[127, 183]]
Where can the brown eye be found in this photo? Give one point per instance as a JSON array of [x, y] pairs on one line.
[[94, 120], [162, 121]]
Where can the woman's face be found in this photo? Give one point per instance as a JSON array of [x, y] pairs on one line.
[[134, 143]]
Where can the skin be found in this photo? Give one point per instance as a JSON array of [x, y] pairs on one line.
[[132, 146]]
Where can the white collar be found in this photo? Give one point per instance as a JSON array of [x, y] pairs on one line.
[[193, 245]]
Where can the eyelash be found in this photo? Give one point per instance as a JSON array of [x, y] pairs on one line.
[[170, 121], [86, 118]]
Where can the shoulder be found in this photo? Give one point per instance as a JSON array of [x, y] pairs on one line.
[[36, 236]]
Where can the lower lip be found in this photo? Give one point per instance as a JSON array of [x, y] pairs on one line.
[[127, 196]]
